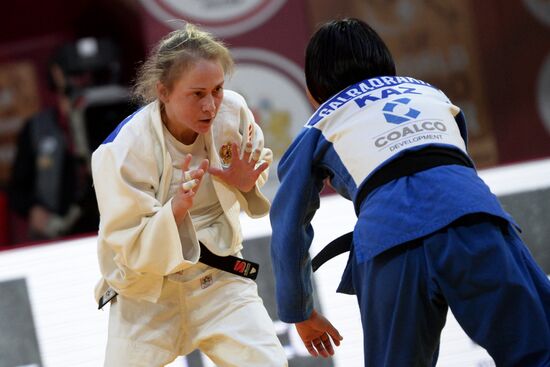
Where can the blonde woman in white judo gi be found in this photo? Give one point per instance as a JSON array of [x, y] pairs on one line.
[[171, 176]]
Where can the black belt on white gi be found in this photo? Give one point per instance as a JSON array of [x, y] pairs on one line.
[[231, 264], [408, 164]]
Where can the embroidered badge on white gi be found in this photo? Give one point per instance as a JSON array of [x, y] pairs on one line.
[[225, 154], [206, 281]]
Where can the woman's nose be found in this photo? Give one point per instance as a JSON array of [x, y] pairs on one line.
[[209, 105]]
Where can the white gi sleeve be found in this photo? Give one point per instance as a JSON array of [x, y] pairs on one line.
[[239, 125], [138, 235]]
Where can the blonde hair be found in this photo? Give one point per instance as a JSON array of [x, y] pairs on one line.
[[173, 54]]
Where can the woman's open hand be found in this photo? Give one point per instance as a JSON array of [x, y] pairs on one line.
[[318, 335], [242, 173]]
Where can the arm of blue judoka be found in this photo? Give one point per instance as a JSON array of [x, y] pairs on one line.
[[292, 209]]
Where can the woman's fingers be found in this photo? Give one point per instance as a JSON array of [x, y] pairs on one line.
[[320, 346], [186, 162], [234, 153], [187, 176], [318, 335], [192, 178], [262, 167], [311, 349], [335, 335], [327, 344], [250, 156], [189, 185], [256, 155], [247, 152], [204, 165]]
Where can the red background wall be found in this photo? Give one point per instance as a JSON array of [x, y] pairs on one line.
[[505, 47], [513, 45]]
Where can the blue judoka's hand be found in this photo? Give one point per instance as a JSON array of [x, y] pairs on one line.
[[318, 334], [242, 173]]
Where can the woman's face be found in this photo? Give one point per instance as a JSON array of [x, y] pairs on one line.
[[193, 102]]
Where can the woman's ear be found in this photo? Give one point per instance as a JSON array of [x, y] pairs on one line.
[[162, 92], [312, 100]]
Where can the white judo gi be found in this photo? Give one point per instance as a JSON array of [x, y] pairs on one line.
[[167, 303]]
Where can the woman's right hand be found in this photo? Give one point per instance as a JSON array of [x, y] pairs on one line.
[[318, 335], [183, 198]]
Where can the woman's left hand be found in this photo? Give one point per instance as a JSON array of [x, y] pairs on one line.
[[242, 173]]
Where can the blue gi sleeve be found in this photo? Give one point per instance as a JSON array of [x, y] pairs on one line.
[[293, 207]]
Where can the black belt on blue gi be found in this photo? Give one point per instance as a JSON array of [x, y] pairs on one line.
[[406, 165], [231, 264]]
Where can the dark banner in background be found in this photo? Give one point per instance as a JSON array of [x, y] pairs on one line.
[[513, 38], [492, 58]]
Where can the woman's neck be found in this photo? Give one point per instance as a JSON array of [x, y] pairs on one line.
[[181, 133]]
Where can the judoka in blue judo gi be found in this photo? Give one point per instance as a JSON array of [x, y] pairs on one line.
[[429, 234]]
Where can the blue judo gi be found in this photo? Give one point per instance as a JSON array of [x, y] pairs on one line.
[[424, 242]]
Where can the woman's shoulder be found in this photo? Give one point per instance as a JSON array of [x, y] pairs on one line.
[[136, 133], [137, 126]]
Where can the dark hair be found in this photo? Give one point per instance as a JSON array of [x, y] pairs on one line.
[[344, 52]]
